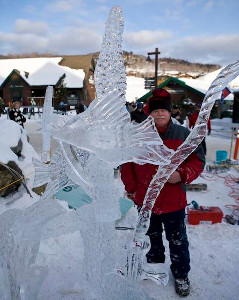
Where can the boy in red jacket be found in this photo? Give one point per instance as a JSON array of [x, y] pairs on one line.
[[169, 208]]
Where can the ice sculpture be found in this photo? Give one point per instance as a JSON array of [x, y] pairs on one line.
[[46, 123], [161, 177], [20, 233], [110, 72], [66, 169], [105, 130]]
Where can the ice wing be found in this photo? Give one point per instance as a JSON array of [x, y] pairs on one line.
[[64, 169]]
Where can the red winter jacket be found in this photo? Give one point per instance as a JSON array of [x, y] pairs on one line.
[[193, 118], [172, 197]]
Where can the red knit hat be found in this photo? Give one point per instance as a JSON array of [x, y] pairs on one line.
[[160, 99]]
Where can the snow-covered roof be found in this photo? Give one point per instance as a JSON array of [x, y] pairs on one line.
[[42, 71], [203, 83]]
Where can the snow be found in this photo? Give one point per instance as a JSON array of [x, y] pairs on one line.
[[42, 71], [135, 88], [213, 248], [6, 139]]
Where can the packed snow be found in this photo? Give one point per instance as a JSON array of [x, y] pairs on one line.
[[213, 247]]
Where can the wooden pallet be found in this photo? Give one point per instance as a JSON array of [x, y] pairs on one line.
[[196, 187], [236, 167]]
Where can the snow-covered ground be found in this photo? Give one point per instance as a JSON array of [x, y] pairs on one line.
[[213, 248]]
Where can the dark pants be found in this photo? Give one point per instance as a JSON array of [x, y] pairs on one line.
[[175, 230], [204, 146]]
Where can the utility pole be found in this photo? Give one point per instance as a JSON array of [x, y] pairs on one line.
[[156, 53]]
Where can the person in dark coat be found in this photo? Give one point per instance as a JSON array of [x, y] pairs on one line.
[[16, 115], [80, 108], [192, 121], [2, 109], [169, 209], [138, 114], [176, 114]]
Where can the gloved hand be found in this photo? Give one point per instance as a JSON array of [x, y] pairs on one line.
[[131, 196], [209, 132]]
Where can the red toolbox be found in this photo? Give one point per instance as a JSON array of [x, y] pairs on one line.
[[204, 215]]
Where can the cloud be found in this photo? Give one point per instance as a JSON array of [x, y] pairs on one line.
[[145, 38], [30, 9], [191, 3], [27, 26], [21, 43], [64, 5], [80, 40], [76, 41], [208, 6], [221, 49]]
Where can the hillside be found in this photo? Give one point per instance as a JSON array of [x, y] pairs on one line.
[[138, 66], [135, 64]]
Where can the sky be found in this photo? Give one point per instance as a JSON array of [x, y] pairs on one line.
[[203, 31]]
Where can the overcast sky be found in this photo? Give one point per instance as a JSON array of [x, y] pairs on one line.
[[205, 31]]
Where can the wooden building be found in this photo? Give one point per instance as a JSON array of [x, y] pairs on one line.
[[24, 79], [178, 90]]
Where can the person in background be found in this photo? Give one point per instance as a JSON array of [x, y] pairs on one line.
[[169, 209], [146, 107], [138, 114], [176, 114], [63, 107], [80, 108], [2, 108], [32, 108], [192, 121], [16, 115]]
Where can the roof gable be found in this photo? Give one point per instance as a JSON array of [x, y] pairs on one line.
[[11, 74], [166, 82]]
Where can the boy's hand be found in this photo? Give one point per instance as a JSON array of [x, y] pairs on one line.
[[174, 177]]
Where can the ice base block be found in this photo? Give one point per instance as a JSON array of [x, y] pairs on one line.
[[204, 215]]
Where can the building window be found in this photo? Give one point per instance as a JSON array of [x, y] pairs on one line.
[[16, 89]]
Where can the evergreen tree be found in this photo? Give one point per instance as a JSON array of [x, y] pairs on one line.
[[61, 92]]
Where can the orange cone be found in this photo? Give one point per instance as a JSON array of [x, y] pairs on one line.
[[236, 145]]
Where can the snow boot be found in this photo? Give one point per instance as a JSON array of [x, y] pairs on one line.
[[230, 219], [182, 287]]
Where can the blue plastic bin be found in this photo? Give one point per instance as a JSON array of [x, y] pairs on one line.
[[221, 155]]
